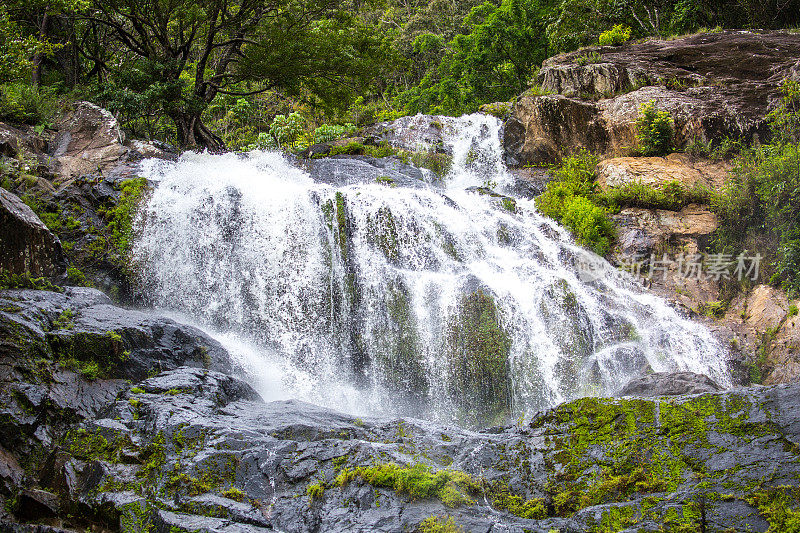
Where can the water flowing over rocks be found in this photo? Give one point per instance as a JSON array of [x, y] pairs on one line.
[[714, 85], [190, 448]]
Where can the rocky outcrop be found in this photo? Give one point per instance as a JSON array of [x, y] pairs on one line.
[[659, 171], [669, 384], [26, 245], [767, 327], [188, 448], [642, 232], [714, 85], [89, 141]]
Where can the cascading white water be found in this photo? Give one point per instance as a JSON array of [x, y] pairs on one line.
[[429, 300]]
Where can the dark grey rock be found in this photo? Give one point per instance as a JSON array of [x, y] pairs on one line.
[[26, 245], [669, 384]]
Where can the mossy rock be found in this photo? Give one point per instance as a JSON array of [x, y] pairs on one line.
[[479, 372]]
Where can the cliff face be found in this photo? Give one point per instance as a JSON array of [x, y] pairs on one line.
[[715, 85]]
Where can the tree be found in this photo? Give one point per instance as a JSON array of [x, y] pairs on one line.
[[493, 61], [194, 50]]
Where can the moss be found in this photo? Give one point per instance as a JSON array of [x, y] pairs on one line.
[[137, 390], [509, 204], [26, 281], [780, 507], [65, 320], [234, 494], [386, 180], [76, 277], [94, 445], [341, 223], [383, 233], [120, 217], [534, 509], [478, 361], [615, 519], [315, 491], [436, 524], [453, 488]]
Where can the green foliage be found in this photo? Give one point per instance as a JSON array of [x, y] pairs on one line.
[[315, 491], [671, 196], [531, 509], [779, 506], [24, 103], [655, 130], [286, 129], [328, 132], [569, 198], [76, 277], [26, 281], [417, 481], [435, 524], [759, 208], [615, 36], [120, 218], [589, 223], [491, 61], [792, 310]]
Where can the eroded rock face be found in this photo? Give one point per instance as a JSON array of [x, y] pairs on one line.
[[658, 171], [26, 245], [89, 141], [714, 85]]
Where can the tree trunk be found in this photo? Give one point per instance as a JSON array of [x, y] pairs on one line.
[[192, 133], [36, 74]]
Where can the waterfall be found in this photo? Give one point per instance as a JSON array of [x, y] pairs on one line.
[[420, 297]]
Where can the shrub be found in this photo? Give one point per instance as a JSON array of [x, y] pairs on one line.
[[672, 196], [23, 103], [758, 208], [575, 177], [569, 198], [589, 223], [615, 36], [655, 130], [286, 129], [327, 132]]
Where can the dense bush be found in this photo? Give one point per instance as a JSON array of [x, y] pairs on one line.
[[286, 129], [759, 209], [589, 223], [655, 130], [615, 36], [671, 196], [23, 103], [569, 198]]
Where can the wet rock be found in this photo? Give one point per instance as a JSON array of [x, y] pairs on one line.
[[26, 245], [645, 231], [530, 182], [417, 133], [89, 140], [669, 384], [349, 170], [714, 85]]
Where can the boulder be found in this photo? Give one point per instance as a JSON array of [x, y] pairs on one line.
[[658, 171], [645, 231], [714, 85], [669, 384], [89, 141], [26, 245]]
